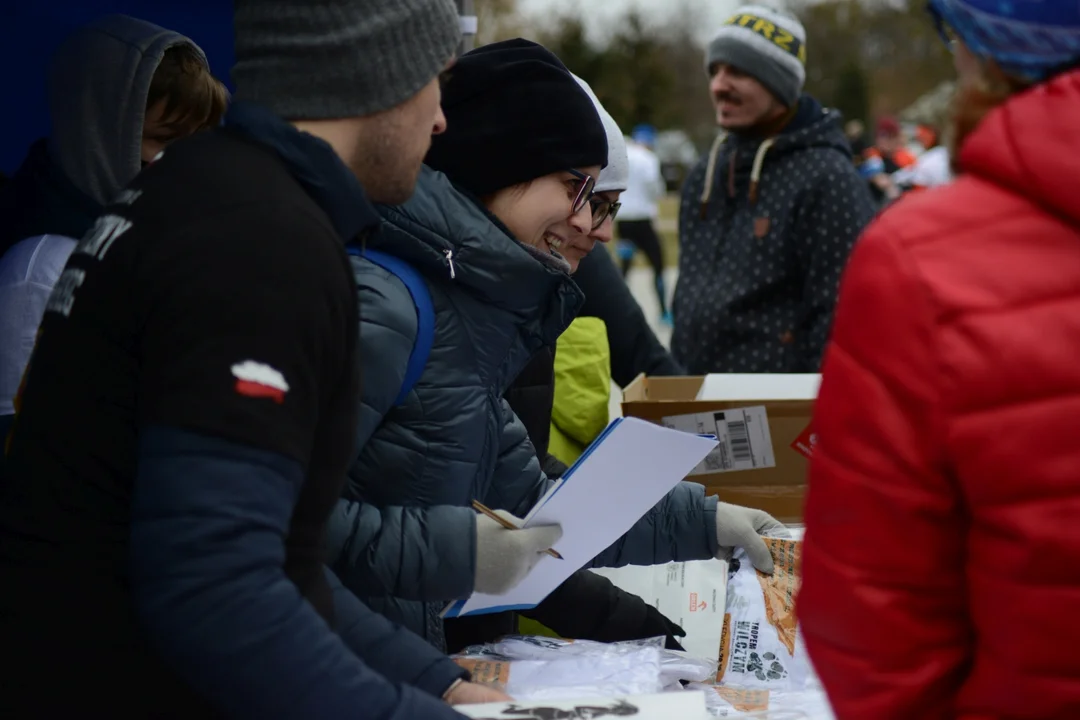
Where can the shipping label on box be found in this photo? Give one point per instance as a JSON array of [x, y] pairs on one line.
[[745, 442]]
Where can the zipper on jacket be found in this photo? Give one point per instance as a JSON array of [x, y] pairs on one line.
[[450, 261]]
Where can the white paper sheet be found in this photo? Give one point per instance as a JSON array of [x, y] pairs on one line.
[[619, 478], [760, 387], [690, 594]]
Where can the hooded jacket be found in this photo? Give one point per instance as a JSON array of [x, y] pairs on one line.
[[119, 592], [942, 556], [99, 80], [403, 538], [765, 228]]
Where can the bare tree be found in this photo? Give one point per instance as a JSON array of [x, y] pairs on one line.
[[891, 43]]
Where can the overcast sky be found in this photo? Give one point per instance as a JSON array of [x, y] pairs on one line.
[[600, 14]]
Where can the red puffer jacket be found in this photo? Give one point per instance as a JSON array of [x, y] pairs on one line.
[[942, 558]]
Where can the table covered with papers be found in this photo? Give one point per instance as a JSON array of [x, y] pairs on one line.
[[744, 659]]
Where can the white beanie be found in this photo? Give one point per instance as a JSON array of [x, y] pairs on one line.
[[768, 45], [616, 175]]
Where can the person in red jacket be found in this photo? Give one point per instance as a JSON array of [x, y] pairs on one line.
[[941, 568]]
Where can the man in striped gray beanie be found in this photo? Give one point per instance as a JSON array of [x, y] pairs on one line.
[[763, 52], [769, 216]]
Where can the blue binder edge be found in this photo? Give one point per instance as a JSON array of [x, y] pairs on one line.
[[454, 610]]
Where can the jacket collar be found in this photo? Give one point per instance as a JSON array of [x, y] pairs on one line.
[[812, 126], [314, 164], [445, 233]]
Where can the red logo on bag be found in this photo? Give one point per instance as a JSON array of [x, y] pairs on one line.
[[695, 606], [806, 441]]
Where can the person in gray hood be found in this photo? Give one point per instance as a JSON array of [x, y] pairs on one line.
[[769, 217], [120, 89], [507, 190]]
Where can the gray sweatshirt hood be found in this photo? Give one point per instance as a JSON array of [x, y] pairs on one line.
[[98, 82]]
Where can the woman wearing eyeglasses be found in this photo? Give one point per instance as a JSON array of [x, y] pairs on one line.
[[499, 219], [941, 567], [562, 399]]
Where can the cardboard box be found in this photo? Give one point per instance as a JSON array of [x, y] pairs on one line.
[[763, 422]]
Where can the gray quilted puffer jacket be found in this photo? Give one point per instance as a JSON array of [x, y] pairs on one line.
[[403, 537]]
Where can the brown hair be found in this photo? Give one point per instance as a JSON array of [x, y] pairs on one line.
[[194, 99], [975, 101], [517, 191]]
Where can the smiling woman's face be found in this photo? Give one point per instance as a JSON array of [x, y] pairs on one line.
[[579, 244], [538, 213]]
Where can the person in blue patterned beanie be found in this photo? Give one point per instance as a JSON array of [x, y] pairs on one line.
[[960, 304], [1002, 48], [1028, 40]]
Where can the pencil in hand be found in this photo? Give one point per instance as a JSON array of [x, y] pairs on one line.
[[485, 510]]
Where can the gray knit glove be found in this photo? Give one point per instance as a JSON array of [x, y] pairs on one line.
[[742, 527], [504, 557]]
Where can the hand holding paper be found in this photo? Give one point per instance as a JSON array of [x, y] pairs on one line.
[[505, 556], [619, 478]]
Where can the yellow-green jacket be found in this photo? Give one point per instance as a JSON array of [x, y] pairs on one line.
[[582, 388]]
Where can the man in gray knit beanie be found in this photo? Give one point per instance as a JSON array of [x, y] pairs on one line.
[[769, 216], [183, 574], [766, 48], [361, 74]]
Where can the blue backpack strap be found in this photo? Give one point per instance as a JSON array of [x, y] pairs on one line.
[[425, 313]]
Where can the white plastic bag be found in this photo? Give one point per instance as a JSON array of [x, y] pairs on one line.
[[678, 667], [545, 669], [675, 666], [534, 647], [761, 646], [746, 703]]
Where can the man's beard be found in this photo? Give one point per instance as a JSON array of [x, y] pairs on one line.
[[732, 99], [767, 122], [387, 169]]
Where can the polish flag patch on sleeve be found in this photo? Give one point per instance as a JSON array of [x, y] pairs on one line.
[[259, 380]]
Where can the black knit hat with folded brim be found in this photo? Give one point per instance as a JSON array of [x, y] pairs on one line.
[[514, 113]]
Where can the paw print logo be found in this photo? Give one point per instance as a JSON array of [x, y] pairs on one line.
[[765, 667]]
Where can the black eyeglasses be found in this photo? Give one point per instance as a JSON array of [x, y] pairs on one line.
[[602, 210], [584, 190]]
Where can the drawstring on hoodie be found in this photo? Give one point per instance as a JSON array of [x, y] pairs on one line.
[[755, 172], [710, 172]]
